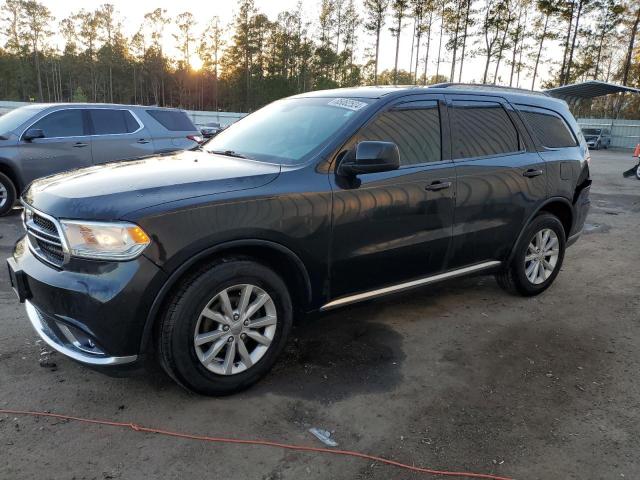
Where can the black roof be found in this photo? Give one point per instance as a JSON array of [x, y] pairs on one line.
[[517, 95]]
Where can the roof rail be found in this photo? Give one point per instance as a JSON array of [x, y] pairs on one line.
[[485, 86]]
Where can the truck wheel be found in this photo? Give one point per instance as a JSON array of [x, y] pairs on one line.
[[7, 194], [225, 326], [537, 258]]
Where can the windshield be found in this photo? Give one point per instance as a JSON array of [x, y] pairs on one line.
[[287, 131], [591, 131], [13, 119]]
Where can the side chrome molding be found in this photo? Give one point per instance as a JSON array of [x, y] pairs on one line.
[[407, 285]]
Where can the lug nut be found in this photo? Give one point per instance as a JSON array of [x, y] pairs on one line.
[[225, 327], [243, 336], [230, 340], [236, 316], [246, 323]]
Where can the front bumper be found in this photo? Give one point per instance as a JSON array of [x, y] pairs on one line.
[[93, 312], [59, 337]]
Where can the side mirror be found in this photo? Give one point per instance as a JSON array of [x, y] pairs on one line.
[[370, 157], [32, 133]]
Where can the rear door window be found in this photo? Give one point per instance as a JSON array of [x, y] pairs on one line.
[[112, 122], [549, 128], [63, 123], [414, 129], [482, 129], [175, 121]]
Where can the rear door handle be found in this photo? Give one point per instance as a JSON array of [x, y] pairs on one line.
[[532, 172], [142, 141], [80, 144], [437, 185]]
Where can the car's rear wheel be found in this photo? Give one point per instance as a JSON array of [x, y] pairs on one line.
[[225, 327], [7, 194], [537, 258]]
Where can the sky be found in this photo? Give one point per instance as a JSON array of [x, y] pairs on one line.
[[132, 13]]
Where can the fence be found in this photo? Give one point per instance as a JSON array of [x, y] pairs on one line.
[[624, 133]]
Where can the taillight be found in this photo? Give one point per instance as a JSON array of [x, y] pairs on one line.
[[195, 138]]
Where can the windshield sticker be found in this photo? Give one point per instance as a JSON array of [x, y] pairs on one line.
[[348, 103]]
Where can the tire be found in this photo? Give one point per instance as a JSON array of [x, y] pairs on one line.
[[638, 171], [187, 363], [516, 277], [597, 147], [7, 194]]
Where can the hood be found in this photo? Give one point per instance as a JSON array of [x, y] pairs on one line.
[[110, 191]]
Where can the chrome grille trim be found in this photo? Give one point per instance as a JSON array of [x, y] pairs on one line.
[[53, 250]]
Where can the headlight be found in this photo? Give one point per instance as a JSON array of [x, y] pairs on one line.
[[104, 240]]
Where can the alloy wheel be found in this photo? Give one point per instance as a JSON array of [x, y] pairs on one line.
[[235, 329], [4, 195], [542, 256]]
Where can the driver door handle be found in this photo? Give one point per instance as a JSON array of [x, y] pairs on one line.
[[437, 185], [80, 144], [532, 172], [143, 141]]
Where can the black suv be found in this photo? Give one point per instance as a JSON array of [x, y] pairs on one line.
[[314, 202]]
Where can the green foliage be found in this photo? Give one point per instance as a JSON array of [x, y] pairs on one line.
[[79, 95]]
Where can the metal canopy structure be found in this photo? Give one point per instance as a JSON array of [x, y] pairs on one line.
[[589, 89], [624, 133]]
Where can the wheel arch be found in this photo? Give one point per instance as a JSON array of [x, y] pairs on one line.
[[558, 206], [274, 255], [9, 171]]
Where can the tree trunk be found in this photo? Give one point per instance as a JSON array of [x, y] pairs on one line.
[[455, 44], [599, 55], [395, 68], [440, 43], [566, 44], [418, 39], [38, 74], [573, 42], [375, 73], [542, 39], [627, 63], [515, 47], [501, 49], [464, 40], [426, 58], [413, 37]]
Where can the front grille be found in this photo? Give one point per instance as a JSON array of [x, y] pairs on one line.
[[45, 224], [44, 237]]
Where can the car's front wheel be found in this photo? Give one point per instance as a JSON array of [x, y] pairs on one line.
[[225, 327], [537, 257], [7, 194], [638, 171]]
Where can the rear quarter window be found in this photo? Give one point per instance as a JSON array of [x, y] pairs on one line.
[[173, 120], [550, 129]]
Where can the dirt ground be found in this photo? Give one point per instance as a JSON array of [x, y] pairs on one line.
[[460, 376]]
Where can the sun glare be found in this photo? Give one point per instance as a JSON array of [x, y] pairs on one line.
[[196, 62]]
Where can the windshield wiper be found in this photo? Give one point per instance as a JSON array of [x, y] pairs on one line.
[[228, 153]]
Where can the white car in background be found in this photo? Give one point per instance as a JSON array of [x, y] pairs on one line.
[[597, 138]]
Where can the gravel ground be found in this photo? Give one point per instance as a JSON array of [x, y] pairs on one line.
[[459, 376]]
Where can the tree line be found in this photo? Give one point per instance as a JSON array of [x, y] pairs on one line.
[[254, 59]]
